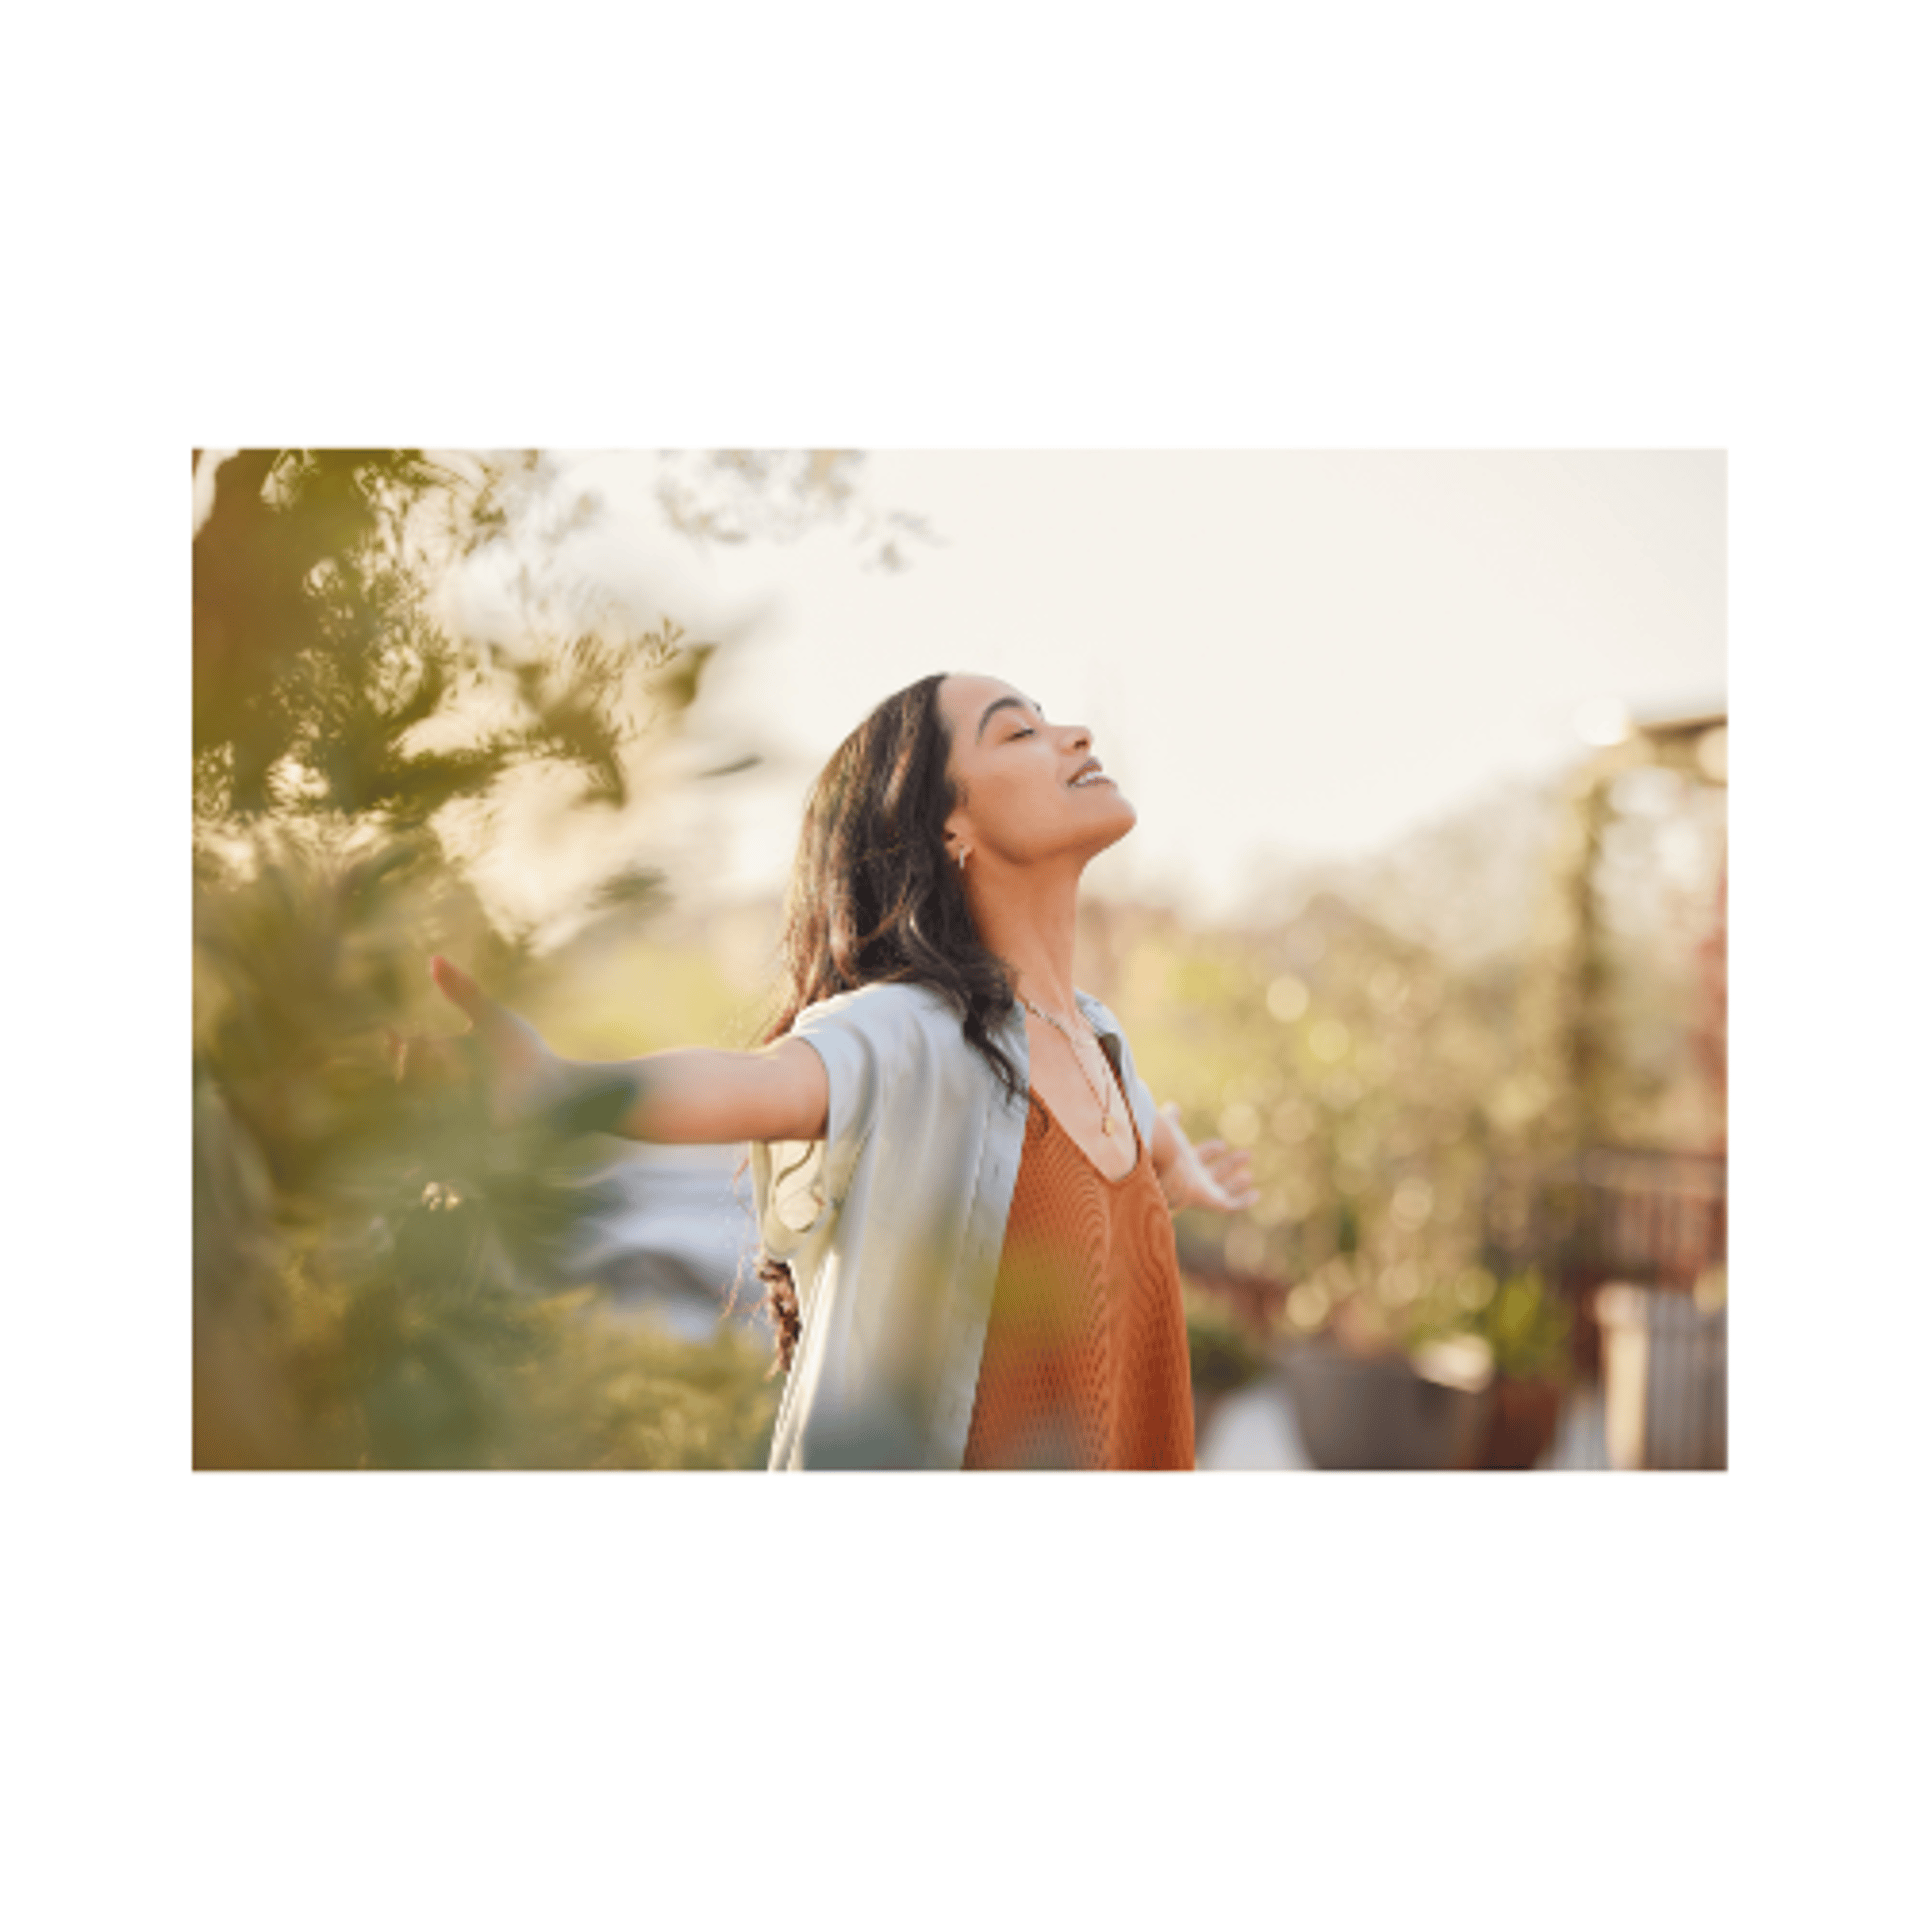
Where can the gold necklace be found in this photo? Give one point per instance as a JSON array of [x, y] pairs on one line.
[[1106, 1099]]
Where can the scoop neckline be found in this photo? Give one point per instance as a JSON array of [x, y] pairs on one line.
[[1112, 1180]]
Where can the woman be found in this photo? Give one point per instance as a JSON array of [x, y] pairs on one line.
[[964, 1190]]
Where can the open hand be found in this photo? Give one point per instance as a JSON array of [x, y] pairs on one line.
[[1212, 1175], [520, 1073]]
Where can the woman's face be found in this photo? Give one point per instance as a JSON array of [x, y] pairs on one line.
[[1023, 803]]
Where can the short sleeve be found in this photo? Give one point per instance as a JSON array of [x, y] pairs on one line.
[[848, 1033], [858, 1037]]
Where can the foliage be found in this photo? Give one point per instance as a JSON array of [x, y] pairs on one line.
[[734, 496], [319, 665], [1222, 1353], [380, 1276], [1406, 1083], [1527, 1327], [1361, 1074]]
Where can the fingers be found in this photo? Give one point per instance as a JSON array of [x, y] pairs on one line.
[[1216, 1155], [1229, 1171], [460, 989]]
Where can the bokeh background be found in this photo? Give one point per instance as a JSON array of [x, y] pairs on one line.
[[1426, 908]]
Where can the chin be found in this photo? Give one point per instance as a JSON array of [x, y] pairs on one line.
[[1123, 822]]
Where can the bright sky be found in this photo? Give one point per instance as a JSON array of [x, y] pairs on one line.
[[1306, 654]]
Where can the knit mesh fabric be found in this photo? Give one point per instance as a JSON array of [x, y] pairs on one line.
[[1085, 1363]]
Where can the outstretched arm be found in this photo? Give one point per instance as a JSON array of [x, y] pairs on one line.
[[1213, 1175], [685, 1095], [691, 1095]]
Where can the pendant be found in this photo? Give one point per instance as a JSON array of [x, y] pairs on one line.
[[1106, 1123]]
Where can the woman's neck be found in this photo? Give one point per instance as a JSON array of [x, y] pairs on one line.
[[1028, 921]]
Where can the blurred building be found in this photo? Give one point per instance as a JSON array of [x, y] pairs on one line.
[[1651, 1212]]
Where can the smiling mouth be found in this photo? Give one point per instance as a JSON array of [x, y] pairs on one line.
[[1092, 780]]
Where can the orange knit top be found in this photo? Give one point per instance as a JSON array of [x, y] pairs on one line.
[[1085, 1363]]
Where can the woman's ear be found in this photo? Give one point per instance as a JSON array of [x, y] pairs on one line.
[[957, 841]]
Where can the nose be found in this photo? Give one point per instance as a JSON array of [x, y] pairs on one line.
[[1078, 735]]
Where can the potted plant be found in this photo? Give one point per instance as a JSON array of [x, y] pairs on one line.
[[1402, 1388], [1529, 1333]]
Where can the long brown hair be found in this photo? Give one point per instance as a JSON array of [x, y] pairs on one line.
[[874, 897]]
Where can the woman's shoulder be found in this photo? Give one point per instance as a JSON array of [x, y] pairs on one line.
[[889, 1040], [1097, 1012], [883, 1005]]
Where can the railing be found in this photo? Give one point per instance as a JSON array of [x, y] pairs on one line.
[[1666, 1378], [1614, 1214]]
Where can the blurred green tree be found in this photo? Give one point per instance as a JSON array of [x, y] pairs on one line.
[[1406, 1072], [377, 1271]]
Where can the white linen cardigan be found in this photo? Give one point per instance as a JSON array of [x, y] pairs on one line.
[[893, 1224]]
